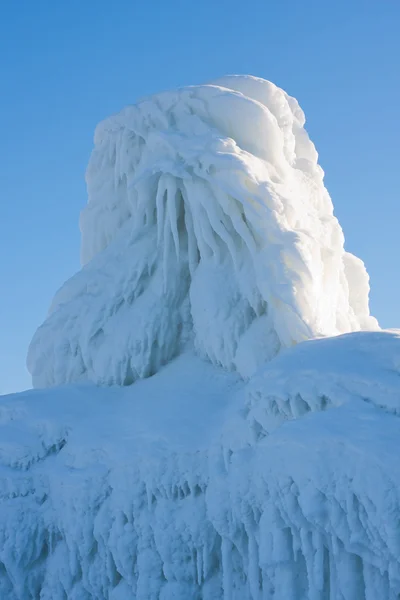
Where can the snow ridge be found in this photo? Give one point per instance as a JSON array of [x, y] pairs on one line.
[[208, 226]]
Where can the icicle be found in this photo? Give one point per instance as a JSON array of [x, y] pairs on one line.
[[226, 549], [318, 566], [217, 222], [243, 231], [253, 567], [172, 200], [199, 566], [202, 247], [207, 232], [160, 203], [193, 253]]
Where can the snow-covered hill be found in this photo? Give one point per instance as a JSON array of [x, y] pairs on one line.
[[202, 431]]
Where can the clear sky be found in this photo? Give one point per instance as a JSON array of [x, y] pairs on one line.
[[65, 65]]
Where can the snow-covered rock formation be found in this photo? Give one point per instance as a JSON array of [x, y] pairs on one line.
[[207, 225], [249, 466]]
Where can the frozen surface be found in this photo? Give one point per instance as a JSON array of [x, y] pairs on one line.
[[255, 456], [207, 226], [193, 484]]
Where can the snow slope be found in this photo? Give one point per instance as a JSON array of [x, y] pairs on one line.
[[193, 484], [207, 224]]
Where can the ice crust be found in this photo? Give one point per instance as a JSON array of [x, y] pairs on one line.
[[208, 225], [193, 484]]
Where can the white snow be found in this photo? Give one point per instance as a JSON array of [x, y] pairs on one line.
[[208, 225], [193, 484], [255, 456]]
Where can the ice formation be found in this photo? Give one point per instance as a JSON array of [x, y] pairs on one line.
[[193, 485], [256, 463], [208, 226]]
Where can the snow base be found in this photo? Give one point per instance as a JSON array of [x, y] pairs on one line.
[[194, 485]]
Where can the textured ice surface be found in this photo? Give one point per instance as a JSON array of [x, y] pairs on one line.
[[193, 484], [208, 225], [241, 464]]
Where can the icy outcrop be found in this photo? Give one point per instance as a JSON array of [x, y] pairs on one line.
[[193, 485], [249, 466], [208, 226]]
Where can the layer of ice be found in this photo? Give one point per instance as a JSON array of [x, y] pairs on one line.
[[195, 485], [208, 226]]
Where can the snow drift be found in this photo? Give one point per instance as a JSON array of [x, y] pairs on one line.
[[207, 226]]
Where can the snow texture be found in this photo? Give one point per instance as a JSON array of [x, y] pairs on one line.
[[208, 226], [195, 485]]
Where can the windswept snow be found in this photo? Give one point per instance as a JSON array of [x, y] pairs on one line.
[[195, 485], [208, 226]]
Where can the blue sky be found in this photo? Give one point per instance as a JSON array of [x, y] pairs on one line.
[[67, 65]]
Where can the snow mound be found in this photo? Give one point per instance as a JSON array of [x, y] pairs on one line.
[[193, 484], [208, 226]]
